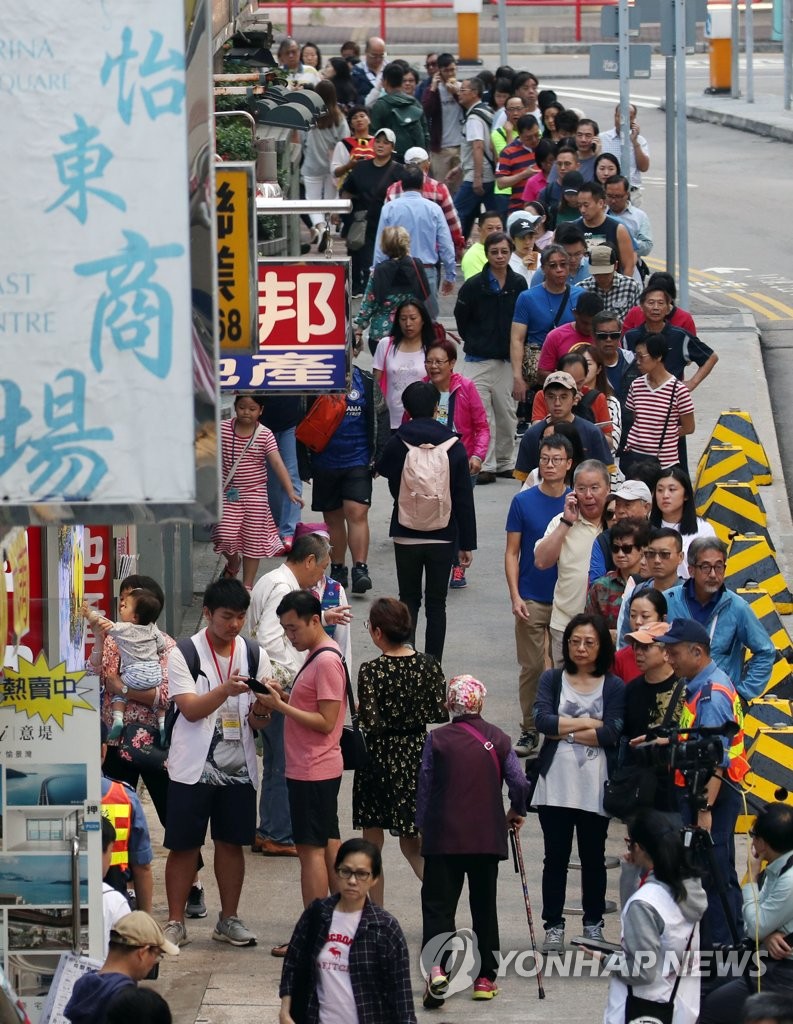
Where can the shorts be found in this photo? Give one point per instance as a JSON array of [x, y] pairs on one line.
[[332, 487], [314, 810], [231, 810]]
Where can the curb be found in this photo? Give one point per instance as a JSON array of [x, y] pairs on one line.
[[741, 123]]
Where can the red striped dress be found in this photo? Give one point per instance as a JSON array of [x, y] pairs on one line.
[[246, 526]]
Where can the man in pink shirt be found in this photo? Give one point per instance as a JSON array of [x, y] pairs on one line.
[[560, 340]]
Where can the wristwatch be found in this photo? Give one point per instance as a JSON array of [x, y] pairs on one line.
[[571, 737], [124, 689]]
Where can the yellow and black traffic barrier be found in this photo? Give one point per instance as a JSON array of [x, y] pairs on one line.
[[735, 508], [735, 427], [770, 775], [780, 684], [767, 713], [719, 463], [751, 561]]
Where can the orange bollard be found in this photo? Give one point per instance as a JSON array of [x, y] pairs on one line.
[[467, 13], [719, 36]]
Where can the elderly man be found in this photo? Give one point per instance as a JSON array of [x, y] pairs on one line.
[[430, 238], [367, 75], [617, 292], [436, 192], [632, 501], [732, 625], [711, 702], [618, 201], [567, 544]]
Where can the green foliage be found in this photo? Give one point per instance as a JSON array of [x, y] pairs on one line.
[[233, 139]]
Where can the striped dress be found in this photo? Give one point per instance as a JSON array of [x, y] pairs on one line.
[[246, 526]]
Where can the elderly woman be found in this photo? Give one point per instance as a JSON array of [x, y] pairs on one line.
[[469, 759], [399, 694], [579, 709]]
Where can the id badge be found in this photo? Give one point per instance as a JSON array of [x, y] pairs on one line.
[[231, 727], [232, 495]]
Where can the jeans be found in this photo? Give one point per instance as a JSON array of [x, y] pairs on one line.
[[557, 830], [275, 821], [433, 562], [444, 875], [724, 815], [285, 513], [725, 1004], [468, 204]]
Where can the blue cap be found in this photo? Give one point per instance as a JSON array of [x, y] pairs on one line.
[[685, 631]]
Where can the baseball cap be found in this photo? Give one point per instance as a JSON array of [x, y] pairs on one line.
[[633, 490], [603, 258], [388, 134], [686, 631], [560, 377], [572, 181], [649, 633], [304, 529], [522, 226], [523, 215], [416, 155], [140, 929]]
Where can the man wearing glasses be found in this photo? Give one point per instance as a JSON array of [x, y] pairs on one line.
[[733, 627], [430, 66], [620, 368], [663, 557]]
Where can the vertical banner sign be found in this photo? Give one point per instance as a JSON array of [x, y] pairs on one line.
[[98, 576], [235, 195], [96, 384], [304, 318]]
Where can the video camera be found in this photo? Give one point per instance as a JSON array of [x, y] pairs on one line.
[[690, 750]]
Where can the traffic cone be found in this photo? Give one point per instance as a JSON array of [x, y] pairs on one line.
[[735, 427], [733, 508], [751, 561], [767, 713], [780, 682], [720, 462], [770, 775]]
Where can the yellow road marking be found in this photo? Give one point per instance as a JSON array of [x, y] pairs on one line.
[[701, 275], [787, 310], [754, 305]]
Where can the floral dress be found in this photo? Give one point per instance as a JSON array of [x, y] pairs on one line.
[[380, 318], [397, 698]]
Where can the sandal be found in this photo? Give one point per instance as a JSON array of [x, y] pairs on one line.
[[281, 950], [233, 566]]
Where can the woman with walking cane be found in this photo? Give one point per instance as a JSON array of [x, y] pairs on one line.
[[468, 760]]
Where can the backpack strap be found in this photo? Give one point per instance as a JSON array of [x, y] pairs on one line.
[[188, 651]]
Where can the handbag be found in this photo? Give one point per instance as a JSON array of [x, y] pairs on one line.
[[648, 1011], [356, 233], [354, 751], [141, 745], [531, 353]]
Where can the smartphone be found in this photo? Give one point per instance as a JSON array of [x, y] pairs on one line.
[[257, 687], [597, 944]]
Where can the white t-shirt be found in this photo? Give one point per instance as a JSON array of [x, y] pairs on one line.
[[334, 987], [477, 129], [114, 906], [400, 369]]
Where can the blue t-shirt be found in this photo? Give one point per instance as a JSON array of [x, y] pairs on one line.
[[580, 275], [349, 446], [529, 515], [616, 372], [537, 308]]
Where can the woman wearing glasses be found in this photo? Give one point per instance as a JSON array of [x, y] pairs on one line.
[[348, 958], [628, 540], [579, 708], [399, 694]]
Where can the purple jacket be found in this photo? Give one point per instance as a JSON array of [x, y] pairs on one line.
[[458, 770], [467, 416]]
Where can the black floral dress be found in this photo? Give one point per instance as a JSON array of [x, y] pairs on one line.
[[397, 698]]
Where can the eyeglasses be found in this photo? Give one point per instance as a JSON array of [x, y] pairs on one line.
[[717, 568], [435, 362], [552, 460], [608, 335], [623, 549], [609, 513], [359, 875], [587, 642], [653, 553]]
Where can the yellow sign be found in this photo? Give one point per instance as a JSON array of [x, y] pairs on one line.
[[17, 553], [37, 689], [235, 197]]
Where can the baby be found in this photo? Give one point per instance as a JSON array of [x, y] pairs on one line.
[[140, 645]]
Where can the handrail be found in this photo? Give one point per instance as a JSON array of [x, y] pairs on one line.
[[77, 941]]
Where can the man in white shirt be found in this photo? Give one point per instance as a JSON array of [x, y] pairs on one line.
[[611, 142]]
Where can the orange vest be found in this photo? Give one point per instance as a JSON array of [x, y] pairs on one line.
[[738, 766], [117, 808]]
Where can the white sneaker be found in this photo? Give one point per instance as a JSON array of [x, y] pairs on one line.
[[176, 933], [231, 929]]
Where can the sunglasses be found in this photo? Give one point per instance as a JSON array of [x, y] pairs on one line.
[[608, 335], [623, 549]]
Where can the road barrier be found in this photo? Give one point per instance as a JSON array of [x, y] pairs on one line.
[[719, 463], [735, 427], [735, 508]]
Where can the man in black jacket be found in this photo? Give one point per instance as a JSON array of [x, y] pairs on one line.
[[429, 553]]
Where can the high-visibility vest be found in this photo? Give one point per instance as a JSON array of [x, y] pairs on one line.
[[738, 766], [117, 807]]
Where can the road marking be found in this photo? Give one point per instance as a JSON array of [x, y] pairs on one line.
[[754, 305], [787, 310]]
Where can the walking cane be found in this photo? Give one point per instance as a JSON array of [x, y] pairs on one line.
[[517, 858]]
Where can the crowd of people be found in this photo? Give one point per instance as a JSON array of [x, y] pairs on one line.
[[569, 376]]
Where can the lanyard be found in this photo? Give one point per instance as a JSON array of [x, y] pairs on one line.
[[217, 664]]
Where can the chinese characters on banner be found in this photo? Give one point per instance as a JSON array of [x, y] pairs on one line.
[[235, 187], [96, 386], [304, 321]]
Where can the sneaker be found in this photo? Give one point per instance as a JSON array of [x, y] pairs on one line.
[[554, 939], [458, 580], [323, 237], [520, 430], [594, 931], [484, 988], [361, 580], [486, 477], [357, 293], [527, 743], [231, 929], [438, 982], [339, 572], [176, 933], [429, 1001], [196, 903]]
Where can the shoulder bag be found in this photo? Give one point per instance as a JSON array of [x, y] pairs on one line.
[[231, 492], [629, 458], [531, 353], [486, 744], [354, 751], [649, 1011]]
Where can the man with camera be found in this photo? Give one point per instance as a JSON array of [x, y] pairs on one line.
[[711, 703]]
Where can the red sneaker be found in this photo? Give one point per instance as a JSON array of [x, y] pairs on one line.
[[484, 988]]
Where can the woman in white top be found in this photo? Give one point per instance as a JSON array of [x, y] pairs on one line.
[[673, 506], [399, 360], [320, 143], [658, 923]]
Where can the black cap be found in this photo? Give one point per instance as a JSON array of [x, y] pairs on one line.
[[573, 181], [685, 631]]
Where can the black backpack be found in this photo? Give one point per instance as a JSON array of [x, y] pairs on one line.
[[584, 407], [190, 655]]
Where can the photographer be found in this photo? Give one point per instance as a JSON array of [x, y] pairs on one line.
[[767, 915], [711, 702]]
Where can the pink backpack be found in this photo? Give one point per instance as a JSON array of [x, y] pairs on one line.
[[425, 496]]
